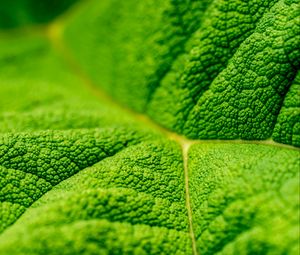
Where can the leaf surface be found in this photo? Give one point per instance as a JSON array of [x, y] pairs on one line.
[[95, 113]]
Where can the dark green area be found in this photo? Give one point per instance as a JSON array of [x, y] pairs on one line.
[[15, 13]]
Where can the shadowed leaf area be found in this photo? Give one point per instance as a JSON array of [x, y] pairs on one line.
[[18, 13]]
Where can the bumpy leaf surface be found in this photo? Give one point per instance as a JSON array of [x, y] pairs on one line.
[[105, 116]]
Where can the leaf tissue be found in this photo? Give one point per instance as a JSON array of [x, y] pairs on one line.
[[149, 127]]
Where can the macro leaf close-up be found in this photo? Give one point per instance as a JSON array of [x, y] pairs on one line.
[[149, 127]]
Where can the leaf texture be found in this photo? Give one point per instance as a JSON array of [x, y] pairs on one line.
[[142, 169]]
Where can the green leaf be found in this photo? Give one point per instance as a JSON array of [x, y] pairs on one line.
[[105, 116]]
